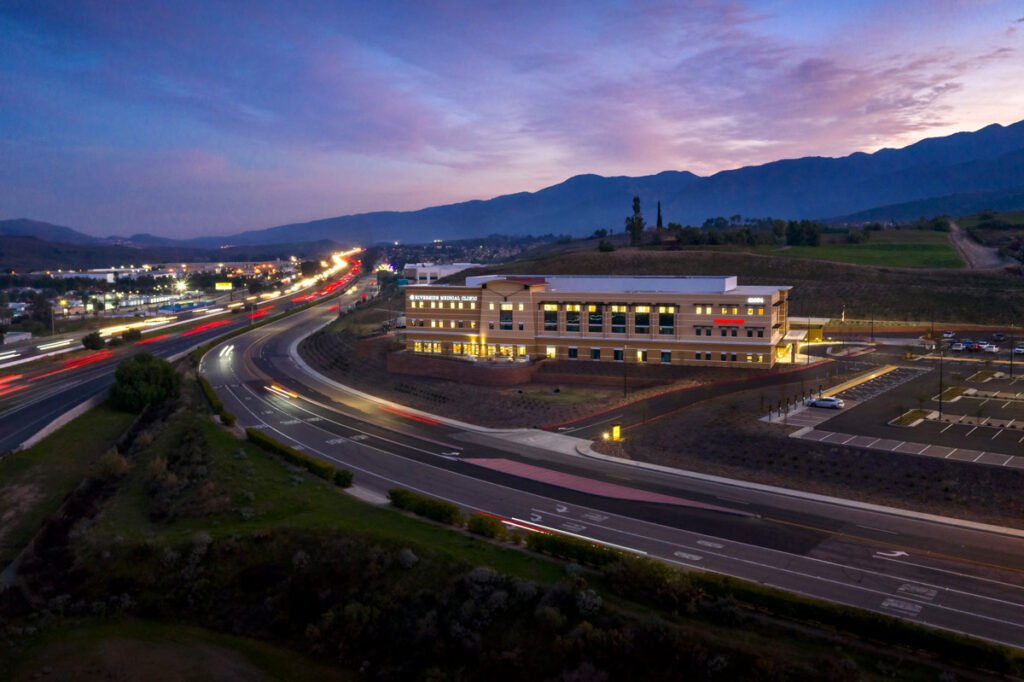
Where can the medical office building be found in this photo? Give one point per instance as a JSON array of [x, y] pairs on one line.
[[709, 321]]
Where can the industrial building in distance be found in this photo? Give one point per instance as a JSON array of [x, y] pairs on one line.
[[710, 321]]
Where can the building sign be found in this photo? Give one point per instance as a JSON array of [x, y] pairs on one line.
[[223, 286], [755, 299], [440, 297]]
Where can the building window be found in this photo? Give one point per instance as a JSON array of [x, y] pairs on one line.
[[666, 320], [550, 317], [618, 319], [505, 320], [572, 317], [641, 356], [642, 319], [550, 352], [595, 319], [573, 353], [595, 353], [617, 355], [666, 357]]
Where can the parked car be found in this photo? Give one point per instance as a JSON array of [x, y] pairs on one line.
[[990, 348], [948, 335], [832, 403], [957, 346]]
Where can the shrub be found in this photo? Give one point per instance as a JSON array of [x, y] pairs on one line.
[[487, 526], [93, 341], [341, 477], [565, 547], [429, 507], [143, 380]]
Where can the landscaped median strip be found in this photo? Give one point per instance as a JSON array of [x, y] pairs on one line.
[[858, 380]]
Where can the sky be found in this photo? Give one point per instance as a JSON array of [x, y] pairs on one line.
[[189, 118]]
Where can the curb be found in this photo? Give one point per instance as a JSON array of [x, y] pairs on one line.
[[587, 451]]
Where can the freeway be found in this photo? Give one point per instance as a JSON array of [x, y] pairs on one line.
[[926, 569], [33, 396]]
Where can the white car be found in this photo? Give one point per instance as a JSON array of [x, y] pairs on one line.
[[990, 348], [831, 403]]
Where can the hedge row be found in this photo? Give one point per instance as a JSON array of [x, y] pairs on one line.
[[487, 526], [430, 507], [226, 417], [340, 477], [572, 549]]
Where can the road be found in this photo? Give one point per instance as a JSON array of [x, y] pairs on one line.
[[927, 570], [42, 394]]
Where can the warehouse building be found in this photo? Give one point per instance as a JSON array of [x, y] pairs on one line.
[[709, 321]]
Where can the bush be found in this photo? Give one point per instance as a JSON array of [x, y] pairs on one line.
[[341, 477], [487, 526], [93, 341], [565, 547], [143, 380], [429, 507]]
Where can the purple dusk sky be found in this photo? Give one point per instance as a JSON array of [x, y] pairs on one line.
[[191, 117]]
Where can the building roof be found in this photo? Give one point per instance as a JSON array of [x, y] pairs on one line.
[[704, 284]]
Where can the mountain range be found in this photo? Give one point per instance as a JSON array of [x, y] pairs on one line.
[[960, 173]]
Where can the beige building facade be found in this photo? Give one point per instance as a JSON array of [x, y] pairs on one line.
[[707, 321]]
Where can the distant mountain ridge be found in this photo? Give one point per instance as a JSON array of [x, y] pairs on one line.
[[934, 175]]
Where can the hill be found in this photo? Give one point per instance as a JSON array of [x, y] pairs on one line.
[[23, 227]]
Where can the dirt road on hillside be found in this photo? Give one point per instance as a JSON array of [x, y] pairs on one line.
[[976, 256]]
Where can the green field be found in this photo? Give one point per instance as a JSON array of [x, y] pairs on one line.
[[34, 482], [891, 249]]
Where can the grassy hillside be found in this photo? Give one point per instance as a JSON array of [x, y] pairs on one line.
[[819, 287]]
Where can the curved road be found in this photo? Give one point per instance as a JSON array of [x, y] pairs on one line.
[[928, 570]]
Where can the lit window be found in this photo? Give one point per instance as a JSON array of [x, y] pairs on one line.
[[550, 352]]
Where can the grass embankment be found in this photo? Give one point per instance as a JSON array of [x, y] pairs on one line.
[[820, 288], [922, 250], [34, 482], [133, 649]]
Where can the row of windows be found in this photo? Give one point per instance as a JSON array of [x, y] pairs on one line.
[[752, 332], [452, 305], [665, 356], [440, 324], [708, 309]]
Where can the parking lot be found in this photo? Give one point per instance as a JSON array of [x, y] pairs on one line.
[[981, 429]]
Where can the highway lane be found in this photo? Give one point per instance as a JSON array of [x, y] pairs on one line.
[[925, 570], [51, 392]]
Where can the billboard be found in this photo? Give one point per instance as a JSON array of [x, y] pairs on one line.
[[223, 286]]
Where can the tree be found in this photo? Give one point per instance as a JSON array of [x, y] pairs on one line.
[[93, 341], [635, 223], [143, 380]]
